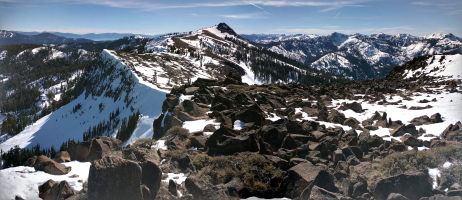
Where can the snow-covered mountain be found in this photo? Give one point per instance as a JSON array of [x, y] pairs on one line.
[[112, 93], [358, 56], [11, 38], [132, 80]]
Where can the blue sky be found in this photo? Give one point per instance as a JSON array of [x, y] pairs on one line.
[[419, 17]]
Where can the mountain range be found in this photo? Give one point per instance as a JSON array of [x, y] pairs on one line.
[[357, 56]]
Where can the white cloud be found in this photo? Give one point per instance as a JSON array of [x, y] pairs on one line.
[[150, 5], [244, 16]]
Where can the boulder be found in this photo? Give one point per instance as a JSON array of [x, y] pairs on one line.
[[336, 117], [316, 192], [114, 178], [226, 141], [251, 114], [412, 186], [79, 151], [396, 196], [453, 132], [355, 106], [411, 141], [401, 130], [351, 122], [190, 90], [273, 135], [436, 118], [203, 191], [306, 175], [43, 163], [51, 190], [62, 156]]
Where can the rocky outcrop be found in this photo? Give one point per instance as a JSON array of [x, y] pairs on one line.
[[51, 190], [302, 177], [412, 186], [118, 178], [43, 163]]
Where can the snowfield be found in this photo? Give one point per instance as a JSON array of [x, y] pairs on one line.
[[24, 181], [63, 124], [445, 66]]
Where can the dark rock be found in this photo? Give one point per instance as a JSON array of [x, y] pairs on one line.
[[351, 122], [412, 186], [396, 196], [79, 151], [114, 178], [292, 141], [401, 130], [209, 128], [273, 135], [336, 117], [453, 132], [320, 193], [43, 163], [51, 190], [411, 141], [355, 106], [203, 191], [151, 176], [251, 114], [455, 193], [172, 188], [226, 141], [436, 118], [421, 120], [306, 175], [198, 141]]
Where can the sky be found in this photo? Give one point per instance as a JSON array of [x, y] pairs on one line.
[[417, 17]]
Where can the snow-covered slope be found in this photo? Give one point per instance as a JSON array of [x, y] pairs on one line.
[[443, 66], [368, 56], [24, 181], [113, 90]]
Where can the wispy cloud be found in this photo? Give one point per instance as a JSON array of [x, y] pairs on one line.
[[150, 5], [244, 16]]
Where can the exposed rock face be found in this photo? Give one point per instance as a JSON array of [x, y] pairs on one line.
[[51, 190], [225, 141], [204, 191], [412, 186], [94, 149], [47, 165], [453, 132], [304, 176], [401, 130], [117, 178]]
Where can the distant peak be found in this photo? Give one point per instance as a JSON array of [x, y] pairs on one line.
[[223, 27]]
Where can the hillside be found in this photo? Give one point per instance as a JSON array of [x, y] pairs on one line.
[[358, 56]]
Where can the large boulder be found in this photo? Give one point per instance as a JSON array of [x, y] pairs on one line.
[[43, 163], [316, 193], [118, 178], [336, 117], [412, 186], [273, 135], [304, 176], [354, 106], [453, 132], [51, 190], [226, 141], [403, 129], [101, 147], [251, 114], [79, 151], [203, 191]]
